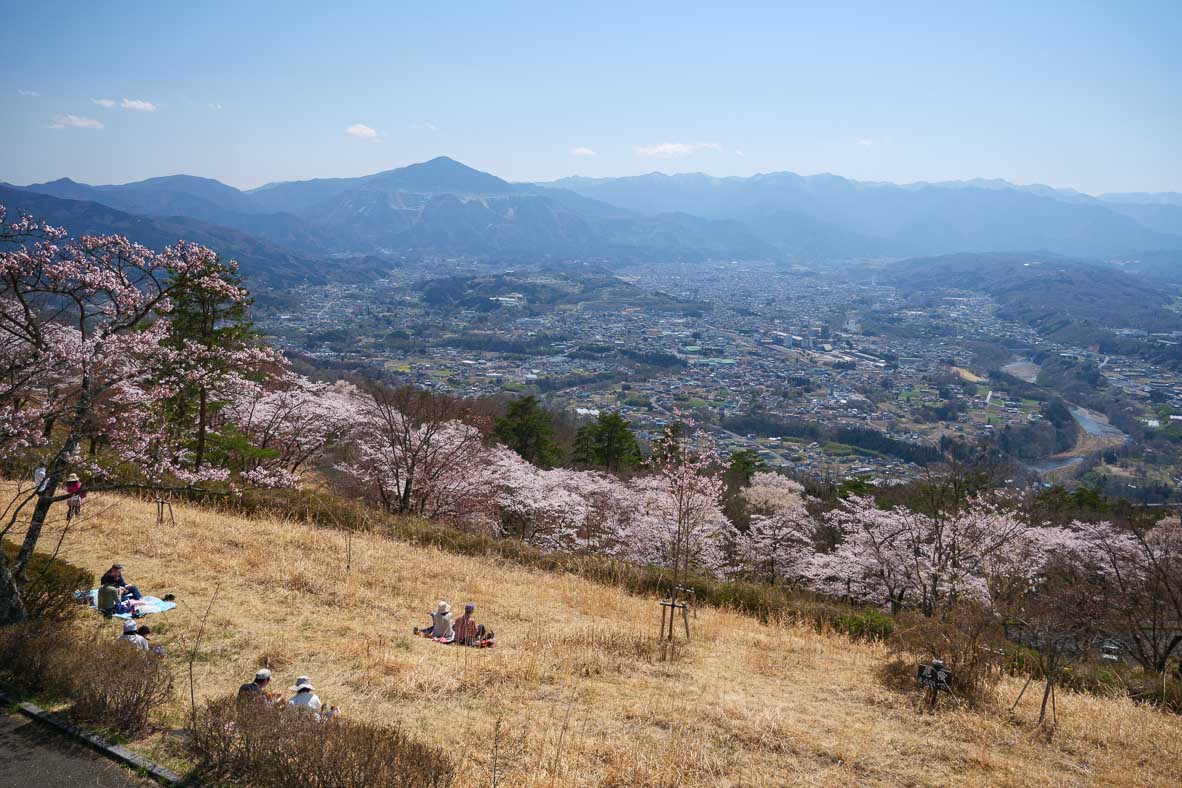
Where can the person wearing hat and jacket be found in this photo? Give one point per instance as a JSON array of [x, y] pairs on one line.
[[441, 624], [305, 695], [256, 691], [132, 635], [74, 502]]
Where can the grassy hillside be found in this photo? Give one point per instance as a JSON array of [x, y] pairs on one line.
[[577, 687]]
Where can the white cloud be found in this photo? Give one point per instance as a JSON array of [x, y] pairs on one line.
[[675, 150], [215, 106], [425, 126], [582, 151], [363, 132], [864, 142], [27, 92], [739, 152], [74, 122], [140, 104], [108, 103]]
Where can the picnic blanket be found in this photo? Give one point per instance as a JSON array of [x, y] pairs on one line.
[[487, 643], [155, 605]]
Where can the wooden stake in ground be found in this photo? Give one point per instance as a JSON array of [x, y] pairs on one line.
[[163, 504], [672, 606]]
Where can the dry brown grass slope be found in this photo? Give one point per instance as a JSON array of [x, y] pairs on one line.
[[576, 692]]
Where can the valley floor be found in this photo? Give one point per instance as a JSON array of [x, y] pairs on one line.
[[576, 691]]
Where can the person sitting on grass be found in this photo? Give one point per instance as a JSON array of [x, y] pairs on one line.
[[145, 631], [305, 695], [468, 632], [114, 577], [256, 691], [441, 625], [110, 602], [132, 635]]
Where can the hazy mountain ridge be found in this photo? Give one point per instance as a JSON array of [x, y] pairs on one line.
[[261, 261], [1059, 296], [900, 220], [440, 207], [444, 208]]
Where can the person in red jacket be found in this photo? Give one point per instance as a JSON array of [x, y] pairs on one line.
[[74, 502]]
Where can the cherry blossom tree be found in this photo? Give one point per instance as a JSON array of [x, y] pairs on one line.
[[547, 509], [679, 522], [780, 537], [418, 453], [84, 329], [1141, 566], [287, 424], [1057, 608], [899, 557]]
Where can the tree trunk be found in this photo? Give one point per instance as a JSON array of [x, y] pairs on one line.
[[404, 502], [202, 411], [36, 522], [1046, 695], [12, 607]]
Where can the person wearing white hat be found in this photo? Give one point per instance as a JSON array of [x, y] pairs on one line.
[[132, 635], [74, 502], [305, 694], [441, 624]]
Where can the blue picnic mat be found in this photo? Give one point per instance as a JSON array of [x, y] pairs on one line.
[[155, 605]]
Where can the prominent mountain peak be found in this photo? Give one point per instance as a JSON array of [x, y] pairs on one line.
[[181, 179], [60, 182], [438, 176]]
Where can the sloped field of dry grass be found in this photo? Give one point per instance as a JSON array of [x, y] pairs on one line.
[[577, 691]]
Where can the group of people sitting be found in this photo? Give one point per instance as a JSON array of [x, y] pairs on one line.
[[305, 696], [116, 596], [463, 631]]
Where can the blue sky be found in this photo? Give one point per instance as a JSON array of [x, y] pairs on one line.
[[1081, 94]]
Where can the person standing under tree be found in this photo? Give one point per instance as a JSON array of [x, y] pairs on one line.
[[74, 502]]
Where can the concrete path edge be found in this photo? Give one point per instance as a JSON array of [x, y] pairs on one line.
[[99, 744]]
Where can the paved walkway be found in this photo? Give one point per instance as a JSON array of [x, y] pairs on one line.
[[33, 755]]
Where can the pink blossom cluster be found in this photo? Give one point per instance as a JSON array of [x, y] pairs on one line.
[[83, 330], [291, 421]]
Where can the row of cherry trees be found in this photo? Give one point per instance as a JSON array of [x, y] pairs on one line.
[[1058, 585]]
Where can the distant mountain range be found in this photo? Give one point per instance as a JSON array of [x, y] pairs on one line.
[[439, 207], [283, 232], [825, 216]]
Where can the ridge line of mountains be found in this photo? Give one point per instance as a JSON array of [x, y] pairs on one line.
[[282, 233]]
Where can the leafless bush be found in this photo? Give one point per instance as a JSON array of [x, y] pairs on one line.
[[108, 682], [116, 685], [507, 751], [30, 656], [263, 745], [965, 637]]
